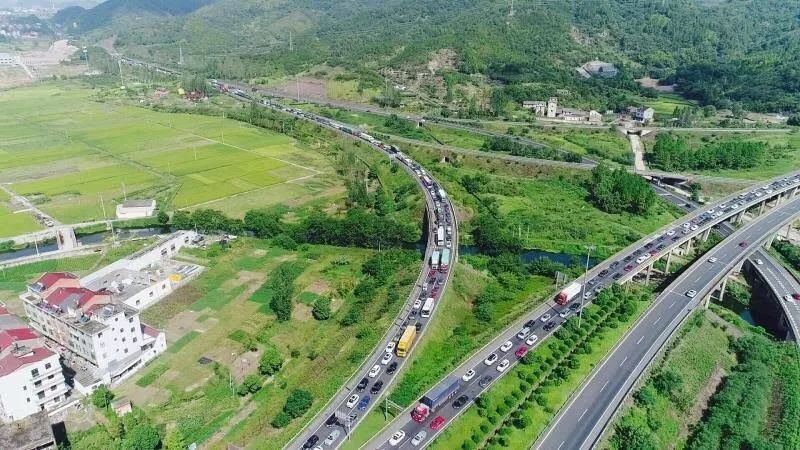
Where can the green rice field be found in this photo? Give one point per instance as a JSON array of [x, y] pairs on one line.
[[66, 152], [11, 223]]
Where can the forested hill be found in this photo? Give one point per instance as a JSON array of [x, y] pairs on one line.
[[77, 18], [717, 51]]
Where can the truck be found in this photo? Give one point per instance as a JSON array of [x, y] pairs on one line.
[[445, 264], [426, 180], [440, 236], [435, 260], [427, 307], [435, 398], [406, 340], [568, 293], [442, 194]]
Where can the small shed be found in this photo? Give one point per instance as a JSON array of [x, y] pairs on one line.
[[136, 209], [121, 406]]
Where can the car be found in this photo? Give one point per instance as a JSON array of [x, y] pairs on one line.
[[331, 421], [521, 352], [396, 438], [362, 405], [599, 288], [362, 384], [332, 437], [437, 423], [687, 225], [392, 368], [418, 438], [468, 375], [743, 244], [565, 313], [691, 293], [712, 260], [545, 317], [617, 276], [376, 369], [759, 262], [574, 306], [549, 326], [532, 340], [587, 295], [352, 417], [603, 272], [491, 359], [628, 267], [483, 382], [628, 258], [311, 442], [788, 298], [386, 358], [660, 247], [413, 314], [592, 282], [796, 296], [695, 227], [530, 323], [376, 387], [417, 304], [506, 346], [319, 447], [460, 401], [418, 326], [670, 232], [614, 264], [390, 347], [523, 333], [352, 401], [503, 365]]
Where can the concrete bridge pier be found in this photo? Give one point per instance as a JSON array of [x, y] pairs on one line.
[[669, 260], [761, 207], [647, 275], [706, 234]]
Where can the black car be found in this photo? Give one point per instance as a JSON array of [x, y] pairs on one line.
[[637, 252], [330, 422], [413, 314], [418, 326], [628, 258], [603, 272], [353, 417], [530, 323], [392, 367], [649, 244], [549, 326], [617, 276], [614, 264], [311, 442], [362, 384], [660, 247], [574, 306], [376, 387], [485, 381], [460, 401]]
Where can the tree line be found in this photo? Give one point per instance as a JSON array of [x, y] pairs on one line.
[[617, 190], [674, 153], [507, 145]]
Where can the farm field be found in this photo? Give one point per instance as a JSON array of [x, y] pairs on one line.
[[66, 151], [11, 223], [226, 310]]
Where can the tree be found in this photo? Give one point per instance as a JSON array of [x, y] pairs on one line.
[[250, 385], [322, 308], [102, 396], [271, 361], [263, 223], [163, 217], [174, 440], [281, 420], [141, 437], [298, 402], [666, 382]]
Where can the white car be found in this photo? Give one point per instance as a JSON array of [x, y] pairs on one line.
[[670, 232], [469, 375], [332, 437], [390, 347], [503, 365], [587, 295], [687, 225], [352, 401], [565, 313], [523, 333], [507, 346], [691, 293], [694, 227], [491, 359], [712, 260], [759, 262], [376, 369], [545, 317], [386, 358], [396, 438], [532, 340], [419, 438], [417, 304]]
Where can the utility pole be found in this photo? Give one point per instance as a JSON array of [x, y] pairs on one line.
[[124, 194], [297, 83], [511, 11], [119, 65], [291, 45], [585, 274], [180, 49], [103, 205]]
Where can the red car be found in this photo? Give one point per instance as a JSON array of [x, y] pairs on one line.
[[521, 352], [628, 267], [796, 296], [437, 423]]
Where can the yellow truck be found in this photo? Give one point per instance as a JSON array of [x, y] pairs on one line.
[[406, 340]]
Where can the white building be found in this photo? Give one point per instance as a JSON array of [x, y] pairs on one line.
[[537, 107], [643, 114], [7, 59], [552, 107], [136, 209], [31, 378]]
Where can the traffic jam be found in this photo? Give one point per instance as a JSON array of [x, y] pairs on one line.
[[443, 402], [442, 240]]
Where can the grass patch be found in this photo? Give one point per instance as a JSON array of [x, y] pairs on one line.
[[183, 341], [151, 376]]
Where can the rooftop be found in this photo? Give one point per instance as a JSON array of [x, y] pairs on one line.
[[17, 359], [45, 281], [123, 284], [34, 431], [139, 203]]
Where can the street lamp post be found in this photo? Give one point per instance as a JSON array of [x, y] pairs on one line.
[[589, 249]]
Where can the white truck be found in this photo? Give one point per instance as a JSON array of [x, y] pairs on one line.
[[568, 293]]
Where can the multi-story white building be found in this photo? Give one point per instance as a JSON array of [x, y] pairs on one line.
[[104, 341], [31, 377], [552, 107]]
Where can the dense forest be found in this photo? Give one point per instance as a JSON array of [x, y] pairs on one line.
[[719, 52], [675, 154]]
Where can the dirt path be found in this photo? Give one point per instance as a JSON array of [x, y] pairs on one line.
[[696, 413]]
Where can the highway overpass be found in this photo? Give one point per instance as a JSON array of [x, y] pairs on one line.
[[581, 422]]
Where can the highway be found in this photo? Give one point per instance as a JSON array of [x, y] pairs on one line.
[[377, 373], [580, 424], [783, 284], [619, 268]]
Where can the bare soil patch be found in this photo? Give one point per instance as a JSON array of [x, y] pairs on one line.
[[696, 413]]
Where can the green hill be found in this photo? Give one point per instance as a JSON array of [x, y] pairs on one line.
[[718, 51]]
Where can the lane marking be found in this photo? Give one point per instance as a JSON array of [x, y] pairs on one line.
[[640, 340], [584, 412], [623, 361], [657, 320], [604, 385], [672, 304]]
